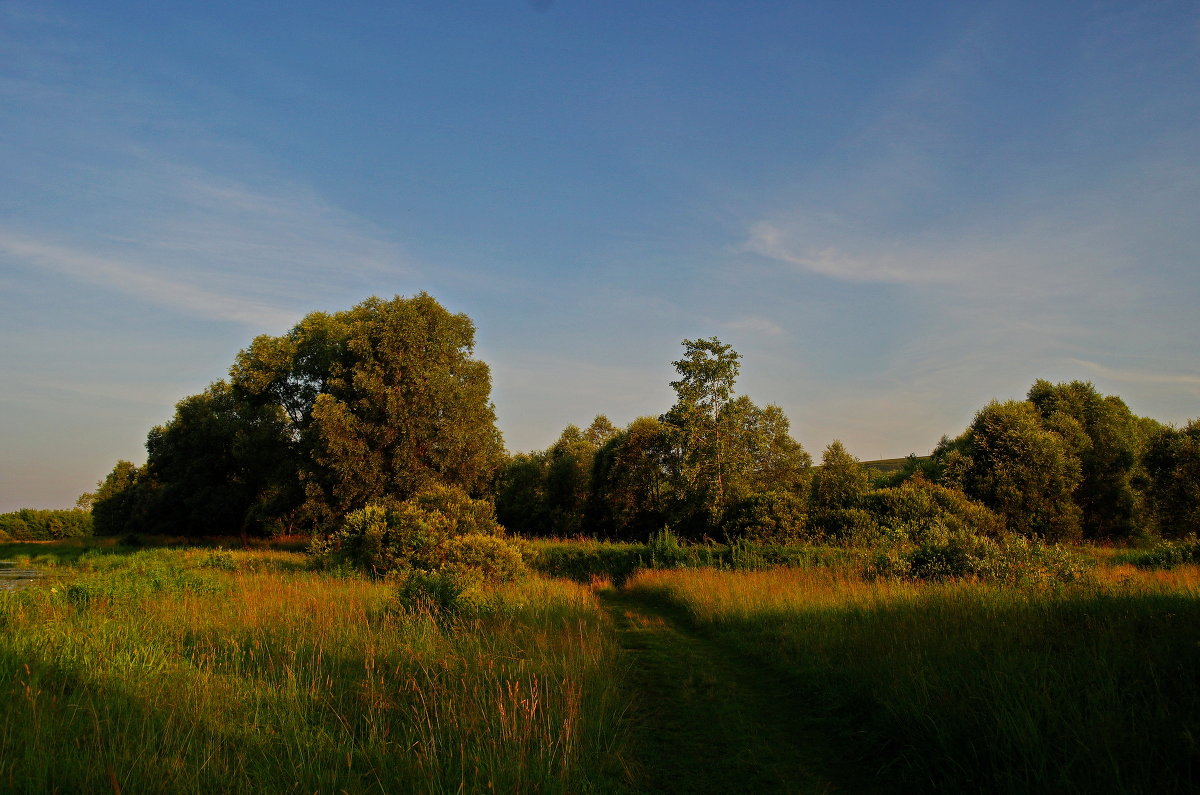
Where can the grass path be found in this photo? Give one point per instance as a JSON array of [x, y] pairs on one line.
[[713, 721]]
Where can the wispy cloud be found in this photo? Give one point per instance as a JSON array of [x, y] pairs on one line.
[[756, 325], [1139, 376], [137, 281], [769, 240]]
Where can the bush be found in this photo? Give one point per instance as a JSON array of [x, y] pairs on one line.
[[777, 516], [920, 511], [495, 559], [1011, 560], [443, 548], [1167, 554], [445, 592], [851, 526]]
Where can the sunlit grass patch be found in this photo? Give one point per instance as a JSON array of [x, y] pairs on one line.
[[276, 679]]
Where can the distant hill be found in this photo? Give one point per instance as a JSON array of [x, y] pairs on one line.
[[890, 465]]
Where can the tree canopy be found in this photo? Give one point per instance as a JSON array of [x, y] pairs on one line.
[[382, 400]]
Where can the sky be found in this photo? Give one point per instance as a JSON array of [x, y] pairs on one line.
[[894, 211]]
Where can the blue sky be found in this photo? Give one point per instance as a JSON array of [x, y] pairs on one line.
[[895, 211]]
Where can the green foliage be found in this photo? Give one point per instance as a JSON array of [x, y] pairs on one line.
[[29, 524], [775, 516], [585, 560], [918, 509], [1167, 553], [665, 550], [632, 482], [379, 402], [115, 499], [492, 558], [550, 493], [521, 496], [849, 526], [223, 465], [1172, 463], [841, 482], [723, 448], [1010, 560], [1009, 460], [1109, 446], [446, 536]]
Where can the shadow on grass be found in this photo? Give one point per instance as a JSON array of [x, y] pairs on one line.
[[1077, 692]]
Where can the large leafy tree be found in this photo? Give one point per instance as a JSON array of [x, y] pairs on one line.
[[1109, 451], [701, 422], [1173, 471], [383, 400], [221, 465], [114, 500], [723, 448], [1012, 462], [632, 482]]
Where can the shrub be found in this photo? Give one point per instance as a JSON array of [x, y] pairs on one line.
[[1011, 560], [778, 516], [445, 592], [920, 511], [495, 559], [852, 526], [442, 547], [1167, 553]]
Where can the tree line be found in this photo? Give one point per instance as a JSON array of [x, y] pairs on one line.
[[30, 524], [385, 401]]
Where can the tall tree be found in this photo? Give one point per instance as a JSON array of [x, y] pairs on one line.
[[221, 465], [114, 499], [384, 399], [1009, 460], [841, 482], [1173, 471], [700, 424], [569, 473], [1109, 450], [761, 455], [632, 482]]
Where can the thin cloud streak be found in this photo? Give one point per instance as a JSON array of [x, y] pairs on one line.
[[137, 281], [1137, 376]]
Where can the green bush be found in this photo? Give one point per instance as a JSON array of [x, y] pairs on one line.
[[1010, 560], [494, 559], [920, 511], [446, 592], [443, 548], [851, 526], [777, 516], [1167, 553]]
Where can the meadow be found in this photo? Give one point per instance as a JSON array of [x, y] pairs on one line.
[[614, 668], [201, 670]]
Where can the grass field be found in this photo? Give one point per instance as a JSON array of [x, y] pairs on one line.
[[211, 671], [207, 670]]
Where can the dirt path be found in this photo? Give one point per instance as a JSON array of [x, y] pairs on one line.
[[712, 722]]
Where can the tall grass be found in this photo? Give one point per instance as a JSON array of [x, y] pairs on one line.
[[210, 671], [964, 686]]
